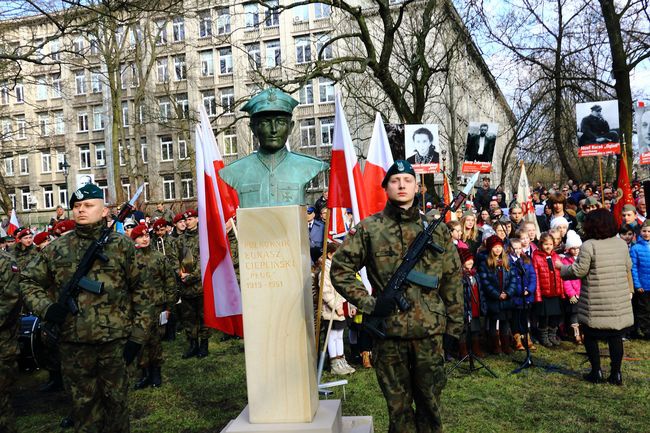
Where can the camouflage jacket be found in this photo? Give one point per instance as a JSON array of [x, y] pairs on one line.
[[157, 276], [378, 243], [185, 256], [10, 304], [164, 245], [24, 255], [234, 251], [122, 310]]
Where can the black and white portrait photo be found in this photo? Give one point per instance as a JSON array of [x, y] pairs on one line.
[[422, 144], [643, 129], [597, 122], [481, 139]]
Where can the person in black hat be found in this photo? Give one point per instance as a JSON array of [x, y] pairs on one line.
[[595, 129], [316, 229]]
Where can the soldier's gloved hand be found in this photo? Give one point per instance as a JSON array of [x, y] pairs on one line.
[[55, 313], [383, 307], [131, 350]]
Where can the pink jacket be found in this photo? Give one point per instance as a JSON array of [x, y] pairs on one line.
[[571, 287]]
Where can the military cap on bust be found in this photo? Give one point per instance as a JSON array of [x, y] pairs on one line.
[[190, 213], [270, 100], [178, 217], [86, 192], [398, 167]]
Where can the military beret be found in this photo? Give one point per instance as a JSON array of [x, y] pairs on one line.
[[41, 237], [140, 230], [64, 226], [270, 100], [86, 192], [23, 232], [628, 208], [191, 213], [160, 222], [398, 167], [493, 241], [178, 217]]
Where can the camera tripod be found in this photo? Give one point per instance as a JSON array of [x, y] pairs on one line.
[[471, 357]]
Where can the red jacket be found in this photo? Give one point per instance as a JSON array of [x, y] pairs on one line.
[[549, 283]]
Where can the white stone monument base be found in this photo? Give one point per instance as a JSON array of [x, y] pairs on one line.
[[328, 419]]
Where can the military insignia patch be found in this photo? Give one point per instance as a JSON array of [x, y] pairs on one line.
[[15, 269], [352, 231], [400, 166], [79, 194]]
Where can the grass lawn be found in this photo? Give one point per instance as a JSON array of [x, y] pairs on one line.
[[203, 395]]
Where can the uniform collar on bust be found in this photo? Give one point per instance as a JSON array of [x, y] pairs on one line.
[[399, 214], [89, 231]]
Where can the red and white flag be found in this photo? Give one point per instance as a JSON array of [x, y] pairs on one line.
[[525, 199], [221, 295], [13, 223], [447, 196], [379, 161], [337, 228]]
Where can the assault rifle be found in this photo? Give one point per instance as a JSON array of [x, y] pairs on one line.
[[79, 280], [393, 290]]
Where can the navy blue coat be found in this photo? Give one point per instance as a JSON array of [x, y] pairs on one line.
[[467, 290], [491, 289], [527, 280]]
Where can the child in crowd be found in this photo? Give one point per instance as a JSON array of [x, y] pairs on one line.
[[531, 228], [626, 232], [640, 255], [562, 225], [527, 247], [572, 287], [524, 294], [501, 231], [549, 292], [498, 286], [556, 235], [456, 231], [475, 306]]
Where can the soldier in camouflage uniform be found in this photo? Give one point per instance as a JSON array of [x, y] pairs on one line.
[[158, 276], [409, 363], [187, 262], [24, 250], [106, 335], [9, 313]]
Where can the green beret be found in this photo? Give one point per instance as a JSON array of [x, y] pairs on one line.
[[86, 192], [273, 100], [399, 166]]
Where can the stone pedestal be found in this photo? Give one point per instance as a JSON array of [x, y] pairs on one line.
[[279, 339]]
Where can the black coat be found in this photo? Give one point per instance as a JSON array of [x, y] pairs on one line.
[[473, 143]]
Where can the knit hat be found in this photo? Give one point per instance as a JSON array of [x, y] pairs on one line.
[[130, 223], [572, 240], [559, 221], [41, 237], [493, 241], [465, 255], [140, 230]]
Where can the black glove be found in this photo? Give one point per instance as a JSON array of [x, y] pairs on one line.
[[383, 307], [55, 313], [131, 350]]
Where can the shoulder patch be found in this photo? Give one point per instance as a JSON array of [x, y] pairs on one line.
[[352, 231]]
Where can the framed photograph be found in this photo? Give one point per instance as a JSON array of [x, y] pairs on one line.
[[479, 149], [422, 147], [642, 114], [84, 179], [598, 128]]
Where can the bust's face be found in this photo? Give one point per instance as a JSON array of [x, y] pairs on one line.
[[272, 129]]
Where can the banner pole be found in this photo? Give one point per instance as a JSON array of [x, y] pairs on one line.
[[322, 278], [424, 205], [602, 187]]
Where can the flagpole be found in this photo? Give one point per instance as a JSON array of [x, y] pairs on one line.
[[322, 277], [424, 205], [602, 188]]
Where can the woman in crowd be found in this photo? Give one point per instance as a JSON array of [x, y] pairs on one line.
[[470, 231]]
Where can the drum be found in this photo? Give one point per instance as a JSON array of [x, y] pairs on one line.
[[33, 354]]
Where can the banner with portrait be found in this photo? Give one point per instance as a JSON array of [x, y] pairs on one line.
[[479, 149], [395, 134], [422, 148], [642, 114], [598, 128], [84, 179]]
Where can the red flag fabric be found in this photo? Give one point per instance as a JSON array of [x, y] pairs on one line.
[[525, 199], [446, 196], [379, 161], [13, 223], [221, 295], [337, 228], [623, 191]]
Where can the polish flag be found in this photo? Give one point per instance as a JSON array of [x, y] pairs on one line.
[[13, 223], [379, 161], [337, 228], [447, 196], [221, 295], [525, 199]]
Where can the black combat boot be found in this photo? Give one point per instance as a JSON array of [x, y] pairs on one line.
[[192, 350], [55, 384], [144, 381], [203, 348], [156, 378]]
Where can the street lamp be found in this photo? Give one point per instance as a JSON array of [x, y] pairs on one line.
[[66, 172]]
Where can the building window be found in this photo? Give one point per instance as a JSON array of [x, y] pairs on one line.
[[166, 148], [205, 24], [23, 161], [180, 69], [182, 106], [209, 102], [21, 128], [179, 29], [41, 88], [59, 123], [223, 21], [126, 186], [56, 85], [43, 124], [100, 154], [271, 14], [103, 185], [306, 94], [323, 47], [60, 159], [182, 149], [144, 150], [301, 13], [125, 114], [161, 32], [251, 15], [80, 82], [326, 131], [207, 63], [169, 191], [78, 45], [4, 93], [225, 61], [25, 198], [20, 93], [325, 90], [303, 49], [308, 133], [146, 190], [9, 166], [187, 186], [84, 156], [322, 10], [227, 99], [230, 141], [63, 196], [82, 121], [48, 197], [163, 70], [46, 162], [273, 54], [254, 56], [6, 129], [135, 78], [95, 81], [98, 118], [94, 45], [55, 54], [165, 108], [120, 153]]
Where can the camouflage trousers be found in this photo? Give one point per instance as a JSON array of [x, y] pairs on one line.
[[151, 354], [97, 379], [411, 371], [8, 370], [191, 310]]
